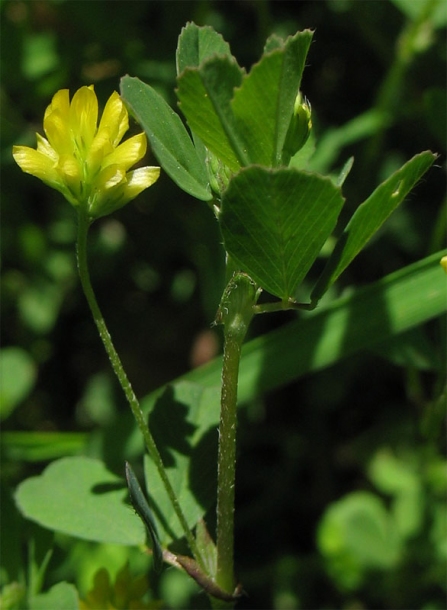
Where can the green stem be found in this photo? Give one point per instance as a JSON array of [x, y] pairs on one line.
[[235, 312], [226, 473], [83, 227]]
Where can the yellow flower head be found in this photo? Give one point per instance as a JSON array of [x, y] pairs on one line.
[[84, 161]]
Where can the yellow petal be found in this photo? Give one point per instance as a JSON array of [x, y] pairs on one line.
[[138, 180], [99, 150], [143, 177], [68, 166], [57, 130], [61, 103], [108, 201], [128, 153], [110, 177], [45, 148], [70, 173], [84, 117], [114, 119], [36, 163], [56, 121]]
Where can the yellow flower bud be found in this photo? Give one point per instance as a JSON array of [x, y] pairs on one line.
[[85, 161]]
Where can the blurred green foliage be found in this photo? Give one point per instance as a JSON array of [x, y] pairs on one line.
[[352, 454]]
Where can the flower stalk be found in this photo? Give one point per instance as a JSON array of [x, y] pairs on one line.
[[91, 167], [81, 249]]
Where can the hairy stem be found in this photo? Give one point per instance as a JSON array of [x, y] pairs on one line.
[[235, 313], [83, 226], [227, 465]]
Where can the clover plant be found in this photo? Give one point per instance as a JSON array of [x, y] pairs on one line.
[[245, 152]]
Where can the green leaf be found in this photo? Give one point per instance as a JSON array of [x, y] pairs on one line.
[[17, 374], [183, 421], [408, 511], [433, 11], [40, 55], [39, 304], [402, 300], [399, 478], [273, 42], [80, 497], [11, 540], [207, 548], [370, 216], [38, 446], [13, 595], [196, 44], [344, 172], [230, 112], [204, 95], [263, 104], [141, 506], [168, 137], [410, 349], [392, 475], [301, 159], [357, 533], [274, 223], [62, 595]]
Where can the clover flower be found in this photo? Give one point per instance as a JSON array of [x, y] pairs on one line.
[[84, 161]]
